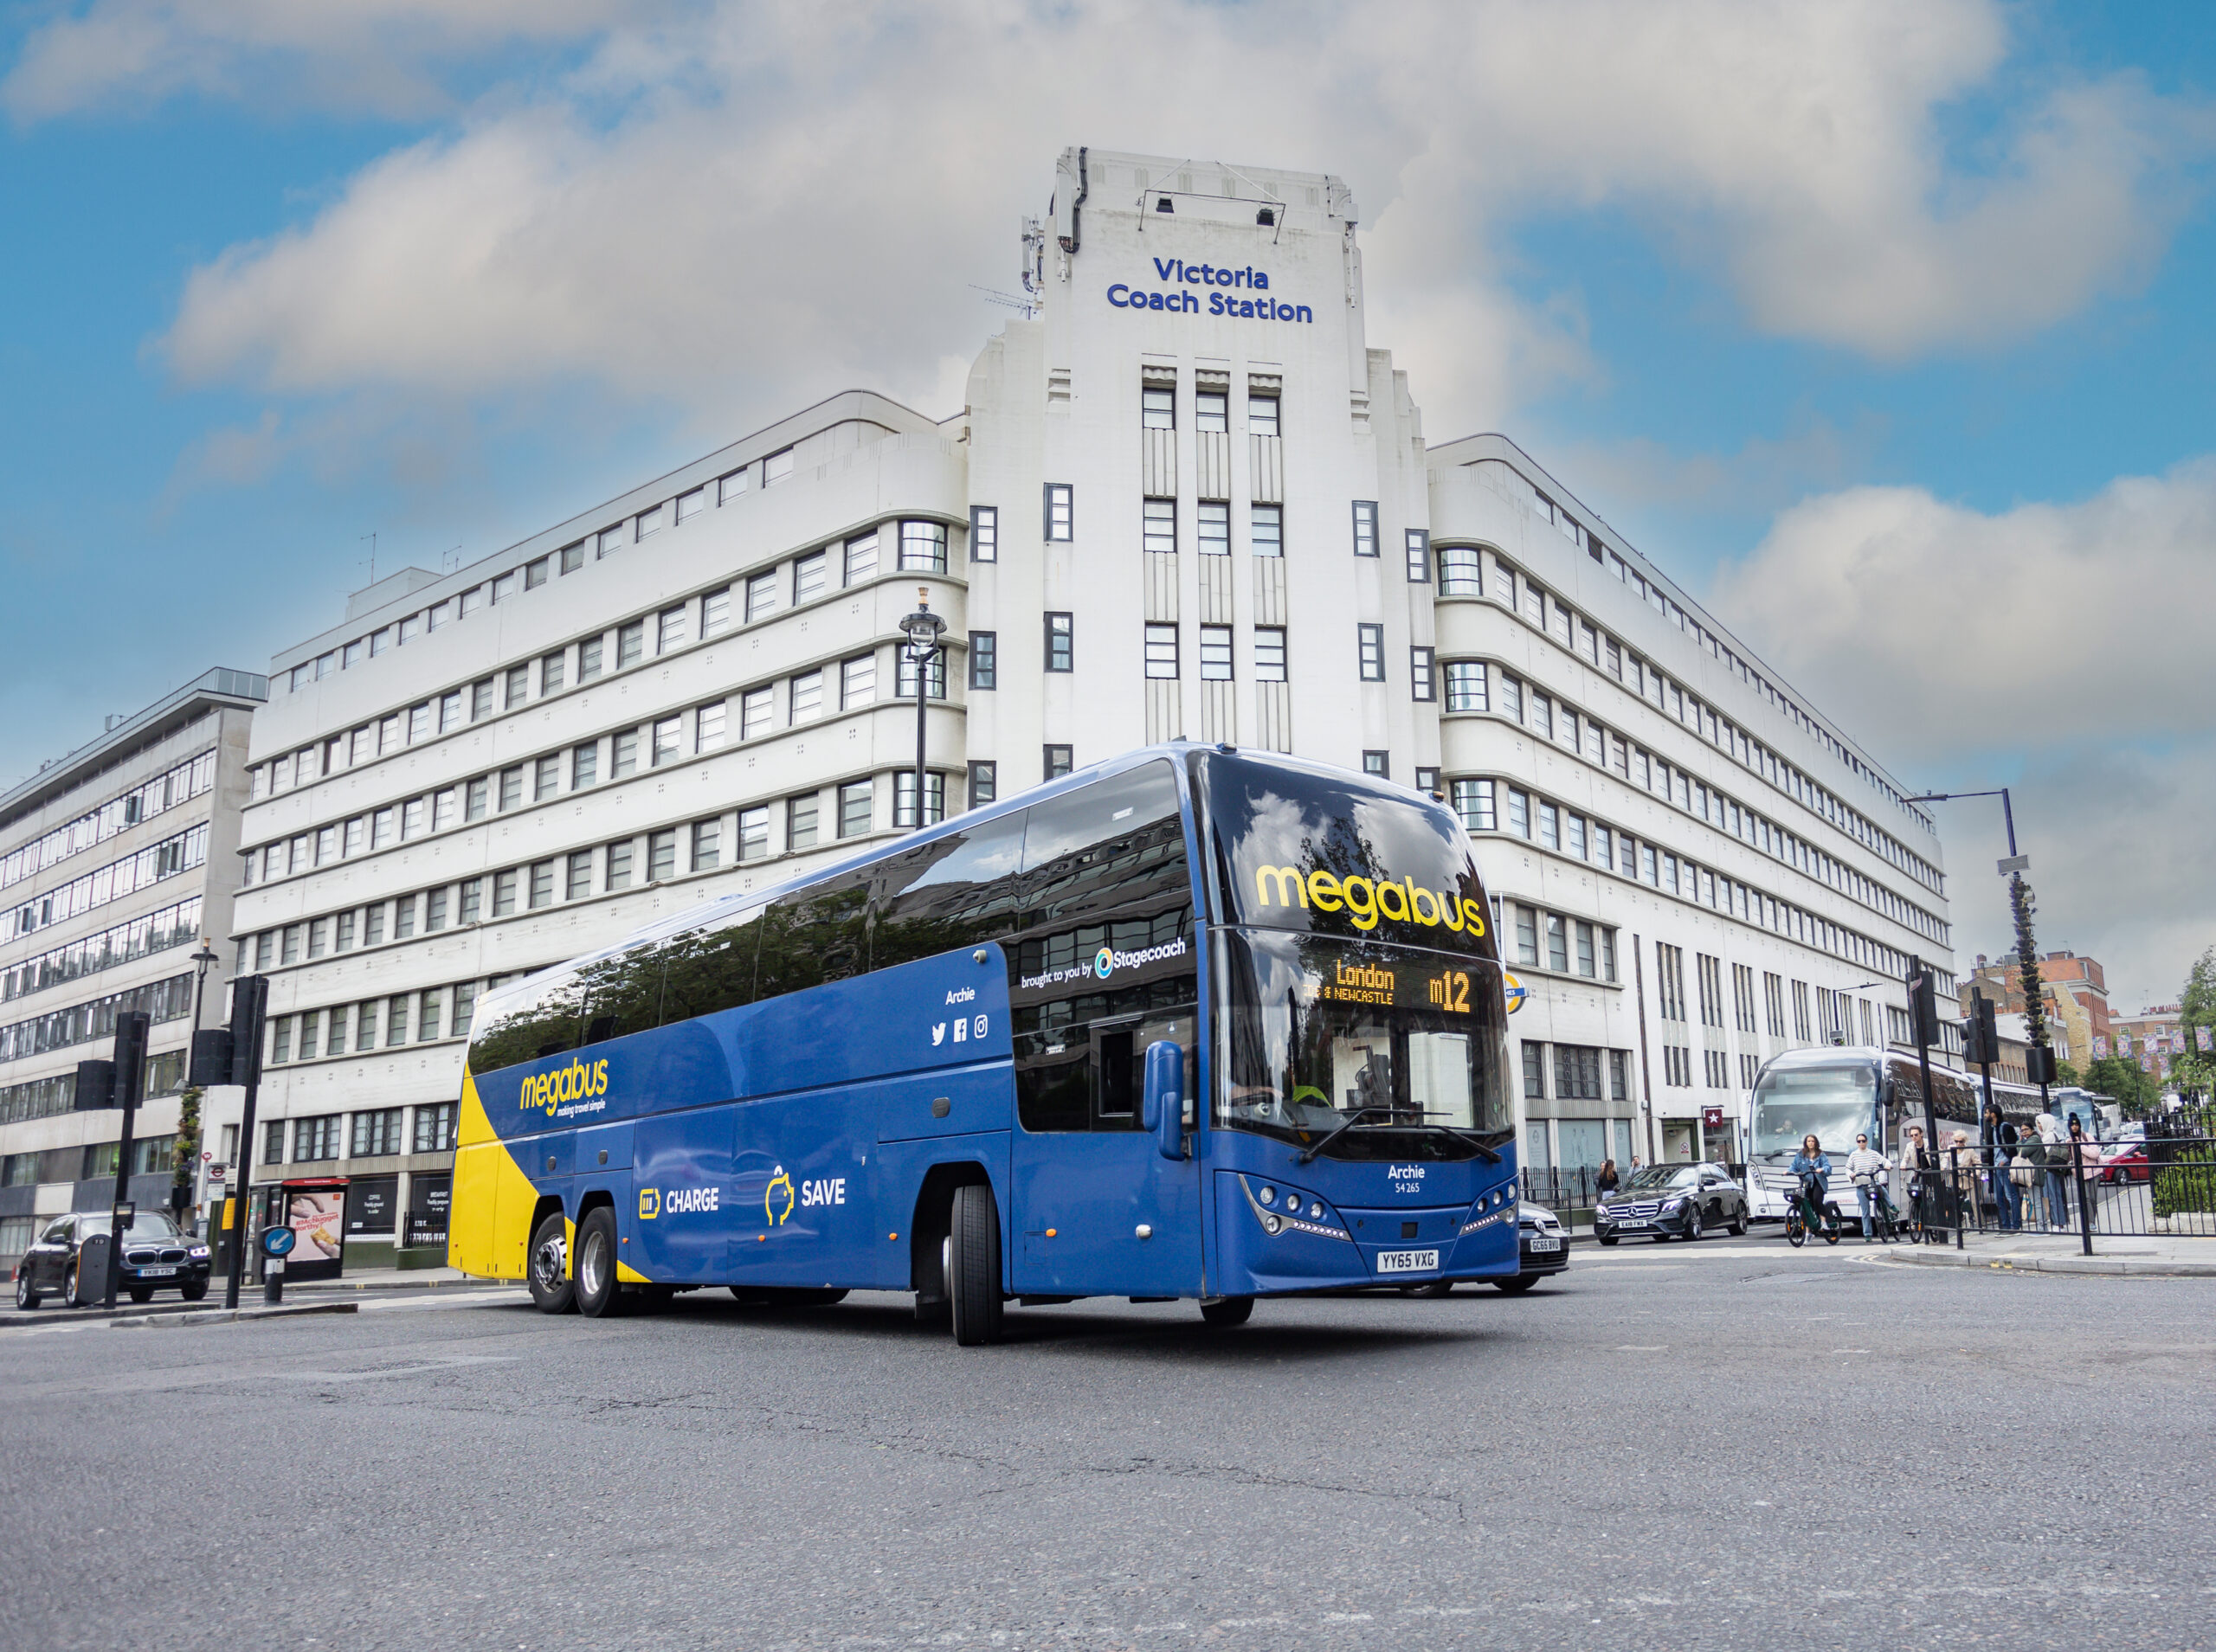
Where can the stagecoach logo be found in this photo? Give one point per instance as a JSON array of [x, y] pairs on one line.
[[1104, 962], [777, 1199]]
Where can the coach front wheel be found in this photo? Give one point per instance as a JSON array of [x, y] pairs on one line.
[[1226, 1311], [973, 1254], [598, 1294], [552, 1289]]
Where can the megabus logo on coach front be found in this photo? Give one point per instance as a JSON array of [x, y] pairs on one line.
[[575, 1082], [1365, 900]]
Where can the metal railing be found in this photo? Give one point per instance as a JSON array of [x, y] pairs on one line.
[[2164, 1187], [423, 1228]]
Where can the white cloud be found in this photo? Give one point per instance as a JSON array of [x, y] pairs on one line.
[[1958, 642], [742, 209], [380, 57]]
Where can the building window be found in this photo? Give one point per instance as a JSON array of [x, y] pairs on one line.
[[542, 884], [1061, 513], [1427, 783], [857, 681], [607, 542], [1215, 653], [1459, 574], [707, 844], [1212, 410], [984, 659], [1060, 642], [579, 883], [904, 798], [1419, 551], [584, 766], [809, 572], [1423, 677], [984, 533], [316, 1140], [856, 803], [623, 754], [1157, 407], [668, 740], [984, 784], [761, 597], [1269, 653], [1549, 826], [1577, 1073], [376, 1134], [922, 547], [672, 628], [1214, 528], [1265, 529], [1473, 803], [1535, 1072], [1365, 527], [631, 644], [777, 467], [1262, 415], [1056, 763], [435, 1125], [588, 658], [545, 778], [1158, 526], [1162, 651], [617, 864], [1465, 686], [661, 855], [800, 821], [861, 558], [1378, 763], [807, 697], [396, 1019], [1519, 812], [517, 688], [754, 833], [504, 896], [1371, 643], [1557, 943]]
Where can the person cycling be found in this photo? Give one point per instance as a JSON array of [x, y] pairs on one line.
[[1866, 1168], [1813, 1169]]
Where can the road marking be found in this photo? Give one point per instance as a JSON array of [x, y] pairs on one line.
[[1641, 1347]]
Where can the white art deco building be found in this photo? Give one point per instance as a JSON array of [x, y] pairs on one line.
[[1185, 499]]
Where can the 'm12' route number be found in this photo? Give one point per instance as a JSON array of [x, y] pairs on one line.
[[1451, 991]]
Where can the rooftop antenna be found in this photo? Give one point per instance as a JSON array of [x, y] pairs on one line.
[[373, 538], [1028, 307]]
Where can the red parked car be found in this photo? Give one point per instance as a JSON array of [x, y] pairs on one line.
[[2127, 1164]]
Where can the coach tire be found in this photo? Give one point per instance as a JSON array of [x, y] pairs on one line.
[[1226, 1311], [974, 1286], [552, 1291], [1437, 1288], [1515, 1287], [598, 1294]]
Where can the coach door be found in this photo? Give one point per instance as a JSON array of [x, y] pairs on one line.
[[1105, 963]]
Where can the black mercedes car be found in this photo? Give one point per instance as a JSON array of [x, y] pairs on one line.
[[157, 1256], [1671, 1202]]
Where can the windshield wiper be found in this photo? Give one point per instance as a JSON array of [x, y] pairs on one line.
[[1355, 1117], [1338, 1130]]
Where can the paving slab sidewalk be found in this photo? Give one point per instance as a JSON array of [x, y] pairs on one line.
[[2056, 1253]]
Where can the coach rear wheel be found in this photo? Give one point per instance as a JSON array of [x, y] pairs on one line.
[[973, 1283], [598, 1293], [552, 1291], [1226, 1311], [1437, 1288]]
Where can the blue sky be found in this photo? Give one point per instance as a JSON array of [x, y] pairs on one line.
[[1861, 321]]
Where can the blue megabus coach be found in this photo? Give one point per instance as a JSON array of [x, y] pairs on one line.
[[1196, 1023]]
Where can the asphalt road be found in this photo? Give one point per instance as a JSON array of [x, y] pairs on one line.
[[1675, 1447]]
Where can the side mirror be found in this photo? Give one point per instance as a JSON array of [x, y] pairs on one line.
[[1162, 1106]]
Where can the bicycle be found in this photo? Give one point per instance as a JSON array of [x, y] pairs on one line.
[[1889, 1224], [1803, 1216]]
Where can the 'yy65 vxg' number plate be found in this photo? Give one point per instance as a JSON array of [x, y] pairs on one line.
[[1407, 1262]]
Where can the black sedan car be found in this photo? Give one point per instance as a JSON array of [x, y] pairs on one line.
[[1671, 1202], [157, 1256]]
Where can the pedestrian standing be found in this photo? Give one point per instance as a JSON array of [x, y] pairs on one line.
[[1998, 1139], [1864, 1165], [1604, 1184], [1962, 1176], [2054, 1166], [2080, 1154], [1915, 1164]]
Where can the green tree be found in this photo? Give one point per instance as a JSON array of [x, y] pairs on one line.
[[2195, 1071], [2120, 1079], [187, 1157]]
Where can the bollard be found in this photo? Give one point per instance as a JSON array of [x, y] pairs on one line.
[[276, 1245]]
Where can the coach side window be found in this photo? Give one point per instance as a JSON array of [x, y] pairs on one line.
[[956, 890], [816, 934]]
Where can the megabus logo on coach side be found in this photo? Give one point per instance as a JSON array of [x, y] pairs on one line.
[[574, 1082], [1366, 900]]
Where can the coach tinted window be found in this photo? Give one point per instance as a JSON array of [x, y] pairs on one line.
[[707, 970], [956, 890], [817, 935], [1112, 844]]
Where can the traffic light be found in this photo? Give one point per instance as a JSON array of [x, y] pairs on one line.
[[1980, 1037], [211, 1058], [95, 1085], [1922, 1007], [2038, 1065]]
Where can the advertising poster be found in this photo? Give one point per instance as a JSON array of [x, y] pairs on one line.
[[317, 1217]]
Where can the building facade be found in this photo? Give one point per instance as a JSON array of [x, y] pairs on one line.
[[1184, 500], [2075, 992], [116, 863], [2155, 1038]]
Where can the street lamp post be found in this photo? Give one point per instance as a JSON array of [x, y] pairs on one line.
[[183, 1178], [2021, 907], [923, 628], [201, 961]]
